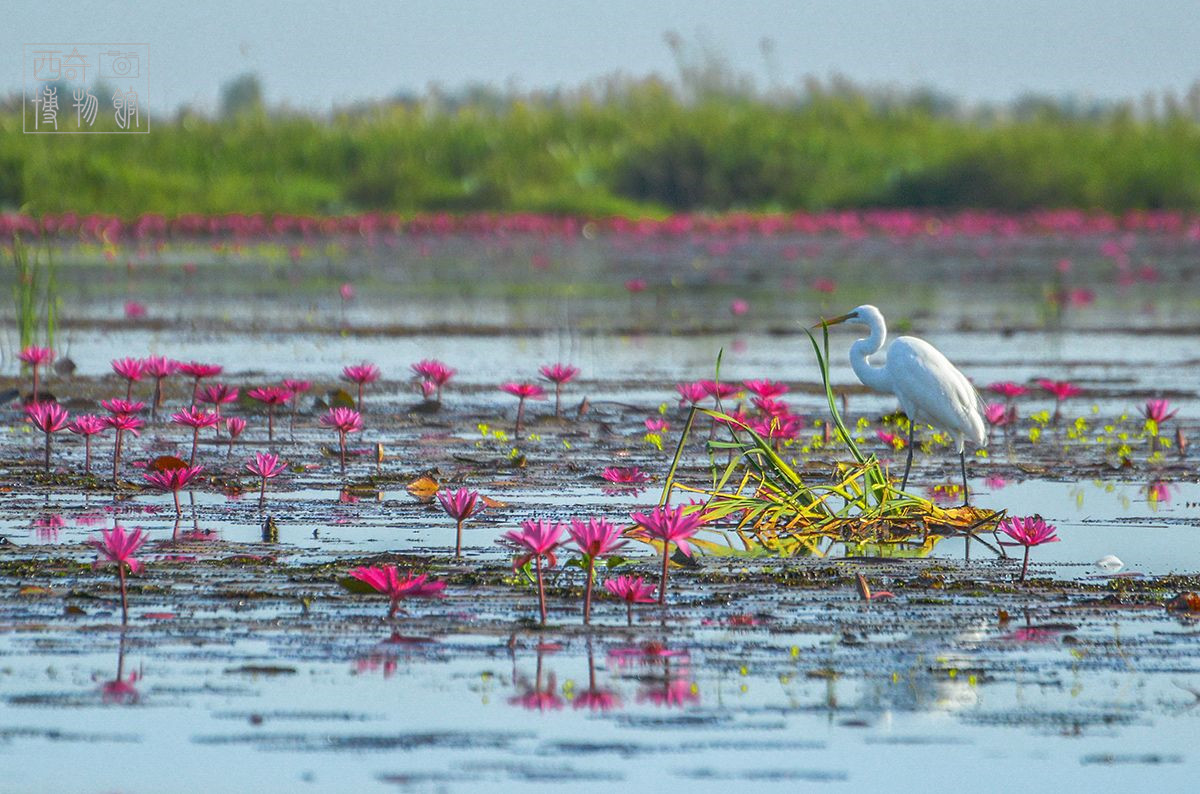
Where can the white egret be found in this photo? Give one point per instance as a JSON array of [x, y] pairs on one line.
[[930, 389]]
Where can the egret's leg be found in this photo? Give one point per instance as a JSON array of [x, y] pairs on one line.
[[962, 456], [908, 463]]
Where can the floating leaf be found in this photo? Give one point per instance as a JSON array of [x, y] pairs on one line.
[[166, 463], [490, 502], [340, 398], [1184, 602], [362, 491], [356, 586], [34, 590], [423, 488]]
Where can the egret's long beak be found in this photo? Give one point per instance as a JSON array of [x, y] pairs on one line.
[[840, 319]]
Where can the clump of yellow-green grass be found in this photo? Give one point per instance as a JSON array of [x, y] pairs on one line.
[[760, 502]]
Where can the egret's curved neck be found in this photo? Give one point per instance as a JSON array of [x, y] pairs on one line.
[[873, 377]]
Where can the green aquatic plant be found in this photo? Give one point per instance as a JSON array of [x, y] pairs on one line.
[[775, 509], [35, 293]]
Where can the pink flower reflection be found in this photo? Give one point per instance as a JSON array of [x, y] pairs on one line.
[[673, 692]]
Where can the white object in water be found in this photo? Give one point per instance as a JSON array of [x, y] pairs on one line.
[[930, 389], [1110, 563]]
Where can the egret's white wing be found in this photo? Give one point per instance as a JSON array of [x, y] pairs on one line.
[[940, 394]]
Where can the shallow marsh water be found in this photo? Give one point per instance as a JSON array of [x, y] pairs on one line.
[[247, 667]]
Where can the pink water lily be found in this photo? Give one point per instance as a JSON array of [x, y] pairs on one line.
[[47, 417], [173, 480], [271, 396], [535, 540], [1028, 532], [632, 590], [344, 421], [1007, 389], [523, 392], [595, 538], [559, 375], [668, 526], [159, 368], [430, 370], [119, 406], [121, 423], [1158, 410], [198, 372], [36, 357], [718, 389], [1061, 390], [132, 370], [87, 425], [386, 579], [361, 374], [196, 419], [997, 414], [218, 394], [777, 409], [690, 393], [296, 387], [266, 466], [459, 505], [775, 428], [656, 425], [891, 439], [765, 388], [118, 546], [631, 475], [234, 425]]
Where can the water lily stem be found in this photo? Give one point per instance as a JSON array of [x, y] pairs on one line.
[[587, 594], [124, 599], [537, 562], [662, 584]]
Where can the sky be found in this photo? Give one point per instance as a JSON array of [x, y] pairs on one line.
[[318, 55]]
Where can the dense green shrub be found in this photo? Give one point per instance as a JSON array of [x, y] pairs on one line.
[[624, 147]]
